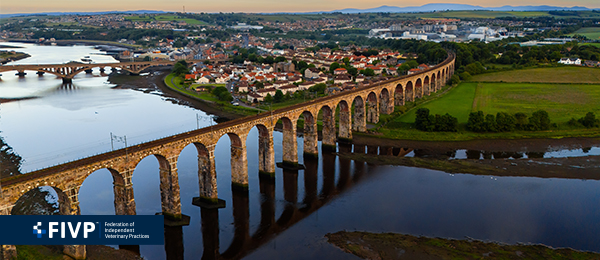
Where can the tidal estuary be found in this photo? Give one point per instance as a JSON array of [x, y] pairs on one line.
[[63, 123]]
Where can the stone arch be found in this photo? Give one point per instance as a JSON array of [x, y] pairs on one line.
[[426, 86], [310, 134], [373, 108], [358, 116], [386, 104], [266, 154], [35, 202], [239, 161], [409, 92], [399, 95], [207, 175], [169, 185], [124, 203], [328, 132], [344, 121], [419, 88]]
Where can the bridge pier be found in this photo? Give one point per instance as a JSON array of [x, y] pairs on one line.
[[329, 134], [21, 73], [373, 111], [40, 73], [67, 80], [239, 165], [9, 252], [102, 69], [359, 122], [311, 136], [88, 71], [207, 177], [124, 200], [345, 124], [290, 144], [169, 189], [266, 153], [75, 251]]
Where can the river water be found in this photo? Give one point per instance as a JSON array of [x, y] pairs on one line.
[[69, 122]]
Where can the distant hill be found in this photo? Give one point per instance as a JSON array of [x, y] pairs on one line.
[[456, 7], [83, 13]]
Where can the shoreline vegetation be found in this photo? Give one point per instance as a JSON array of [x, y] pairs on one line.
[[399, 246], [505, 92], [471, 96]]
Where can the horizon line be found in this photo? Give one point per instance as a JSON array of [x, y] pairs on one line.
[[299, 12]]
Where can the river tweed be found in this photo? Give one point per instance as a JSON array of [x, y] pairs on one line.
[[286, 215]]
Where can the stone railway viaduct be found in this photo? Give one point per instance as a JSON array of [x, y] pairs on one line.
[[355, 108], [68, 70]]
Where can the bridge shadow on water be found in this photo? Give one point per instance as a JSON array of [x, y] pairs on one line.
[[270, 225]]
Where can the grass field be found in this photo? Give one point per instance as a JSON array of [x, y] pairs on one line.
[[592, 33], [566, 74], [165, 18], [561, 101], [592, 44], [457, 102]]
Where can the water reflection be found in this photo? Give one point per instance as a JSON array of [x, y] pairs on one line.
[[475, 154], [270, 226]]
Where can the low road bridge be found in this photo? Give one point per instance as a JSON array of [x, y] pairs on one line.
[[67, 71], [354, 109]]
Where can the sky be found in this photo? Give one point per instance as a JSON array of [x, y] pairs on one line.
[[253, 6]]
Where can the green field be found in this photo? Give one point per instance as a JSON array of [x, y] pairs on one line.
[[165, 18], [592, 44], [592, 33], [566, 74], [458, 102], [561, 101]]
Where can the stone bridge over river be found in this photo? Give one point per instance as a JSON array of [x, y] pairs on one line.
[[354, 108], [68, 70]]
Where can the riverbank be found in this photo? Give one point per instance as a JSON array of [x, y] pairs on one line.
[[398, 246], [154, 81], [6, 56], [172, 83]]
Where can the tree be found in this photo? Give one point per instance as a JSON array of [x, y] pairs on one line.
[[368, 72], [454, 80], [424, 121], [319, 88], [333, 67], [268, 98], [278, 96], [521, 121], [280, 59], [589, 120], [446, 123], [490, 123], [476, 122], [505, 122], [539, 120], [180, 68]]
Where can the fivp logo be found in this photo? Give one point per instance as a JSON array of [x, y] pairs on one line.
[[62, 227], [39, 232]]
